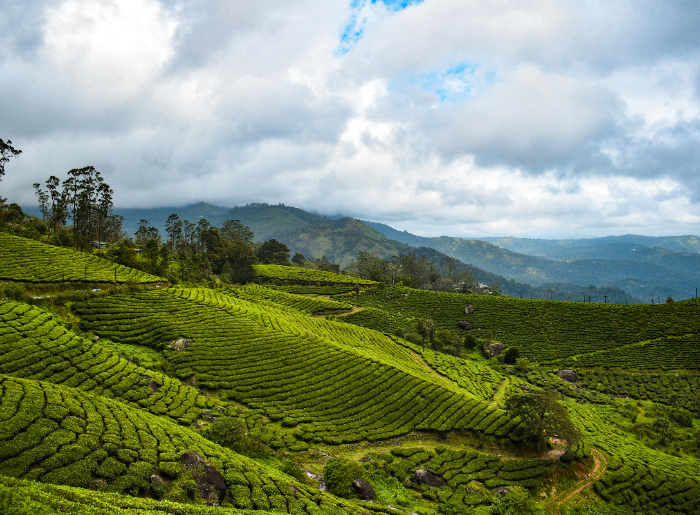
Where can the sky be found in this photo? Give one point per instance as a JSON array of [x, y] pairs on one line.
[[543, 118]]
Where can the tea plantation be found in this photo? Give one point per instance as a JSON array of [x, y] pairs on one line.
[[335, 383], [316, 372], [29, 261], [306, 275]]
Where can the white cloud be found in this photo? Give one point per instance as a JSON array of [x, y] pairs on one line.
[[530, 118]]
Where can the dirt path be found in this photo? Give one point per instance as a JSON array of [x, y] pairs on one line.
[[553, 506]]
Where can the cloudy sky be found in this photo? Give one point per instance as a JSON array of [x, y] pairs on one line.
[[543, 118]]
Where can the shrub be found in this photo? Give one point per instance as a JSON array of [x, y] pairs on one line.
[[515, 502], [292, 468], [511, 355], [339, 475]]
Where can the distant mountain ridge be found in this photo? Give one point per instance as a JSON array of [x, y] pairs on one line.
[[641, 273]]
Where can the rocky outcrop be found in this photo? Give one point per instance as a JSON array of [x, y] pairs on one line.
[[180, 345], [568, 375], [424, 477], [469, 310], [463, 324], [364, 490], [494, 349], [211, 483], [523, 387], [501, 490]]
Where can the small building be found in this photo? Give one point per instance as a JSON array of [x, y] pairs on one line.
[[99, 245]]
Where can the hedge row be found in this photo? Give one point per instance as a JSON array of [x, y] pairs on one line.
[[59, 435], [332, 381], [34, 345], [306, 275], [641, 478], [282, 299], [308, 289], [547, 330], [27, 260], [459, 467]]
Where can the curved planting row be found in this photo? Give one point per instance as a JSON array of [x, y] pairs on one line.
[[644, 479], [261, 294], [482, 381], [459, 467], [27, 260], [675, 353], [34, 345], [543, 330], [59, 435], [681, 389], [331, 391], [306, 289], [306, 275], [31, 497]]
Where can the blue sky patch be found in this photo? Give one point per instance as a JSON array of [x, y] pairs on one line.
[[452, 85], [355, 27]]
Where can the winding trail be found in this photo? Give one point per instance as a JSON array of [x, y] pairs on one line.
[[553, 506], [500, 392]]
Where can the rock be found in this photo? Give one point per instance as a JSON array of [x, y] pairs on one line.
[[426, 478], [96, 338], [494, 350], [568, 375], [389, 297], [151, 383], [364, 489], [180, 345], [501, 490], [366, 459], [207, 415], [211, 483], [126, 358], [463, 324], [523, 387], [156, 479], [469, 310], [193, 380]]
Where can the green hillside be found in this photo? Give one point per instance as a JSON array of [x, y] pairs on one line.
[[58, 435], [30, 261], [104, 402], [335, 382]]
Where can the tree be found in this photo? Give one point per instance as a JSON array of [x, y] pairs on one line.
[[6, 152], [663, 427], [669, 300], [542, 416], [522, 364], [233, 230], [43, 200], [299, 259], [145, 233], [426, 329], [173, 227], [272, 252], [469, 341]]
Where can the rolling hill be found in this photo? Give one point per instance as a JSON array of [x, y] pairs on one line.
[[106, 404]]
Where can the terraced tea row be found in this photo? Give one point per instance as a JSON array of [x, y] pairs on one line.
[[59, 435], [646, 480], [546, 330], [34, 345], [282, 299], [305, 289], [18, 496], [459, 467], [312, 372], [27, 260], [674, 353], [306, 275]]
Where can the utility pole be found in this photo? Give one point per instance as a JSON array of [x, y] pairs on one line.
[[606, 299]]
